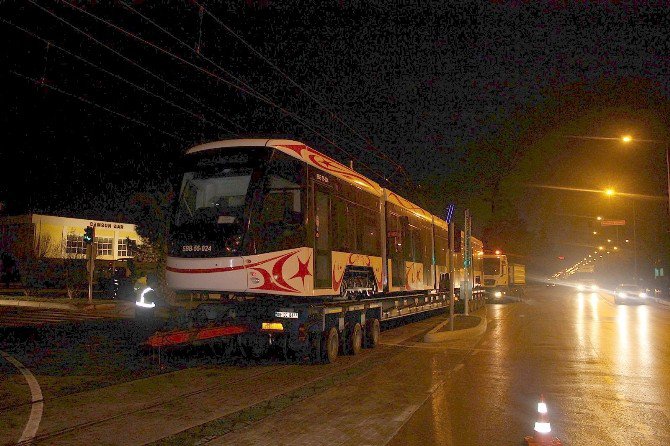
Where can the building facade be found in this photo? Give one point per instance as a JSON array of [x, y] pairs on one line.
[[53, 237]]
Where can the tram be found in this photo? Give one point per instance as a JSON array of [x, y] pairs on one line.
[[300, 250], [276, 217]]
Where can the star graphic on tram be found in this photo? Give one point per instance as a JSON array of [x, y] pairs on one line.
[[303, 270]]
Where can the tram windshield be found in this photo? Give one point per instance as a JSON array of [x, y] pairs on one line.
[[214, 189], [238, 201]]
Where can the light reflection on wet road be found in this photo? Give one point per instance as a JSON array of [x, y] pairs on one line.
[[604, 370]]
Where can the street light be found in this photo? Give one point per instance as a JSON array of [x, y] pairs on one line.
[[626, 139]]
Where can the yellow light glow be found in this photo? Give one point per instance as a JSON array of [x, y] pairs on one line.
[[595, 232], [599, 218], [616, 248], [609, 192], [601, 247], [497, 252], [272, 326], [626, 138]]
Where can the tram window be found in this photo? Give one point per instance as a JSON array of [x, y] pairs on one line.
[[441, 245], [343, 225], [426, 257], [368, 228], [280, 225]]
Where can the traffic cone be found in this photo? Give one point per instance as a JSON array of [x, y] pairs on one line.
[[542, 435]]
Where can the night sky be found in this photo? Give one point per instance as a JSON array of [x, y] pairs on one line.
[[452, 102]]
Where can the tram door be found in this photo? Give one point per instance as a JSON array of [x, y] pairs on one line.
[[322, 240]]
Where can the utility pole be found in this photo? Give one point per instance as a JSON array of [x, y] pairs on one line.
[[452, 278], [467, 261], [91, 251]]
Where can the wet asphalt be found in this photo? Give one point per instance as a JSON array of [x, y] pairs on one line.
[[604, 371]]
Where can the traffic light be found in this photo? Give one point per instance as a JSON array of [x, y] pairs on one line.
[[89, 235]]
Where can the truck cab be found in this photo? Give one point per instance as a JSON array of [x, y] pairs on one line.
[[495, 273]]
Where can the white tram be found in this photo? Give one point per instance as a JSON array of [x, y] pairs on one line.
[[276, 217]]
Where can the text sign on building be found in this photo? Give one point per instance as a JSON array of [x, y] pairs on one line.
[[613, 223]]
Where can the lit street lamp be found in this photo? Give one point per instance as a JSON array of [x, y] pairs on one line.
[[626, 139]]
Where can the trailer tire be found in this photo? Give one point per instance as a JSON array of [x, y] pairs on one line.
[[372, 334], [330, 346], [354, 341]]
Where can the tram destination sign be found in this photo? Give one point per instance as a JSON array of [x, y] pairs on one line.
[[613, 223]]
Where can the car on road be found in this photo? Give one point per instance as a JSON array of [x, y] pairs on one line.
[[587, 285], [627, 293]]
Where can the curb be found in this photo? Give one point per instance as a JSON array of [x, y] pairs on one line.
[[34, 304], [435, 335], [121, 309]]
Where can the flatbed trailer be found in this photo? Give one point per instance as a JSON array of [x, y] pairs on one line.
[[318, 330]]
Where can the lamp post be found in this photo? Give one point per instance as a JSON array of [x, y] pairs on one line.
[[611, 193], [628, 139]]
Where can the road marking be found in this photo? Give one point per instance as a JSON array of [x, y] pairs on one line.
[[458, 367], [36, 399]]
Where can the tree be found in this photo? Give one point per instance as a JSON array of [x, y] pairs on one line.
[[151, 213]]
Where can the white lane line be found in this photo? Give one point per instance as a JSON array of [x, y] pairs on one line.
[[36, 398]]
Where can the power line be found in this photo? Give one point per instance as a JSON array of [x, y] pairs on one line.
[[266, 99], [139, 87], [248, 90], [91, 103], [132, 62], [332, 114]]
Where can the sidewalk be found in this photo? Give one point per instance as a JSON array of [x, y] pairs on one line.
[[469, 326], [113, 306]]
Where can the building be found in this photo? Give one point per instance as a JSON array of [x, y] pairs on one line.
[[52, 237]]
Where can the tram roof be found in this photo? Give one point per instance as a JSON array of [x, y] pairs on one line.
[[303, 152]]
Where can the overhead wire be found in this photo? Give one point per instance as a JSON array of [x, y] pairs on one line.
[[209, 73], [91, 103], [255, 92], [116, 76], [332, 114], [248, 88], [135, 64]]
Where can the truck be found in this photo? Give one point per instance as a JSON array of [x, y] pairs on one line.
[[501, 278], [293, 250]]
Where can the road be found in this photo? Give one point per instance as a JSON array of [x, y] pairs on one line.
[[604, 371], [33, 317]]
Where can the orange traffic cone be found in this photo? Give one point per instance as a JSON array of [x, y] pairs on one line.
[[542, 435]]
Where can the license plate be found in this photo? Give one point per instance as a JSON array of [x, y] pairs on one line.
[[286, 314]]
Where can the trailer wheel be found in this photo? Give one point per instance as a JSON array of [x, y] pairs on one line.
[[372, 334], [330, 346], [354, 340]]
